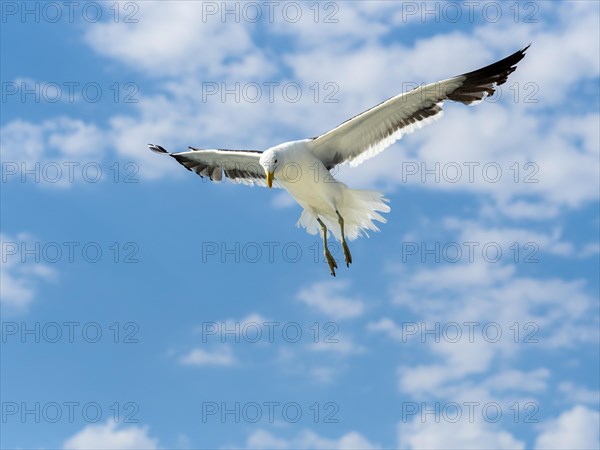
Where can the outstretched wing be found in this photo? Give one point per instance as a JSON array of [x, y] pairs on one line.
[[241, 166], [369, 133]]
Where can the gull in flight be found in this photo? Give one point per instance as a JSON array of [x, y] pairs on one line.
[[303, 167]]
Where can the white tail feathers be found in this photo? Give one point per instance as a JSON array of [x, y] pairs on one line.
[[359, 209]]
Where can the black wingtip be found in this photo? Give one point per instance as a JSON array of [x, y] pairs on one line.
[[523, 51], [157, 149], [483, 82]]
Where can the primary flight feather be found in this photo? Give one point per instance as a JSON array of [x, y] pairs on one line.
[[303, 167]]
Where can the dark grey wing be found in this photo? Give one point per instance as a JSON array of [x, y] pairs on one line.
[[371, 132], [241, 166]]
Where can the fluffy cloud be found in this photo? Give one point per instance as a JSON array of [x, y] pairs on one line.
[[497, 293], [486, 294], [328, 298], [476, 231], [340, 344], [110, 436], [18, 279], [59, 139], [222, 356], [576, 428], [309, 440], [578, 394], [179, 38], [462, 434], [232, 329]]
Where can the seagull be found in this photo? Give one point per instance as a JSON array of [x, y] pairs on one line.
[[303, 167]]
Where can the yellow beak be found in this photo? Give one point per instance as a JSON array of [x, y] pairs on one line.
[[269, 179]]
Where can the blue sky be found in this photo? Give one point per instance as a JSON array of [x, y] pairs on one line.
[[145, 308]]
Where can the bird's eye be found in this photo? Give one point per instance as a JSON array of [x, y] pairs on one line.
[[275, 161]]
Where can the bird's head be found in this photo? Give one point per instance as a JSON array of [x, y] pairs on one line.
[[270, 160]]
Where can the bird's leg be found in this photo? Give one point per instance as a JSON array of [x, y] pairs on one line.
[[347, 254], [330, 261]]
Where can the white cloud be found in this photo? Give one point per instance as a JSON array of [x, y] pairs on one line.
[[517, 380], [521, 209], [309, 440], [472, 231], [264, 439], [110, 436], [324, 375], [328, 298], [58, 152], [179, 38], [344, 345], [590, 249], [389, 327], [460, 359], [235, 329], [318, 354], [576, 428], [570, 38], [487, 292], [321, 363], [529, 313], [58, 139], [420, 434], [222, 356], [454, 277], [19, 280], [343, 24], [578, 394]]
